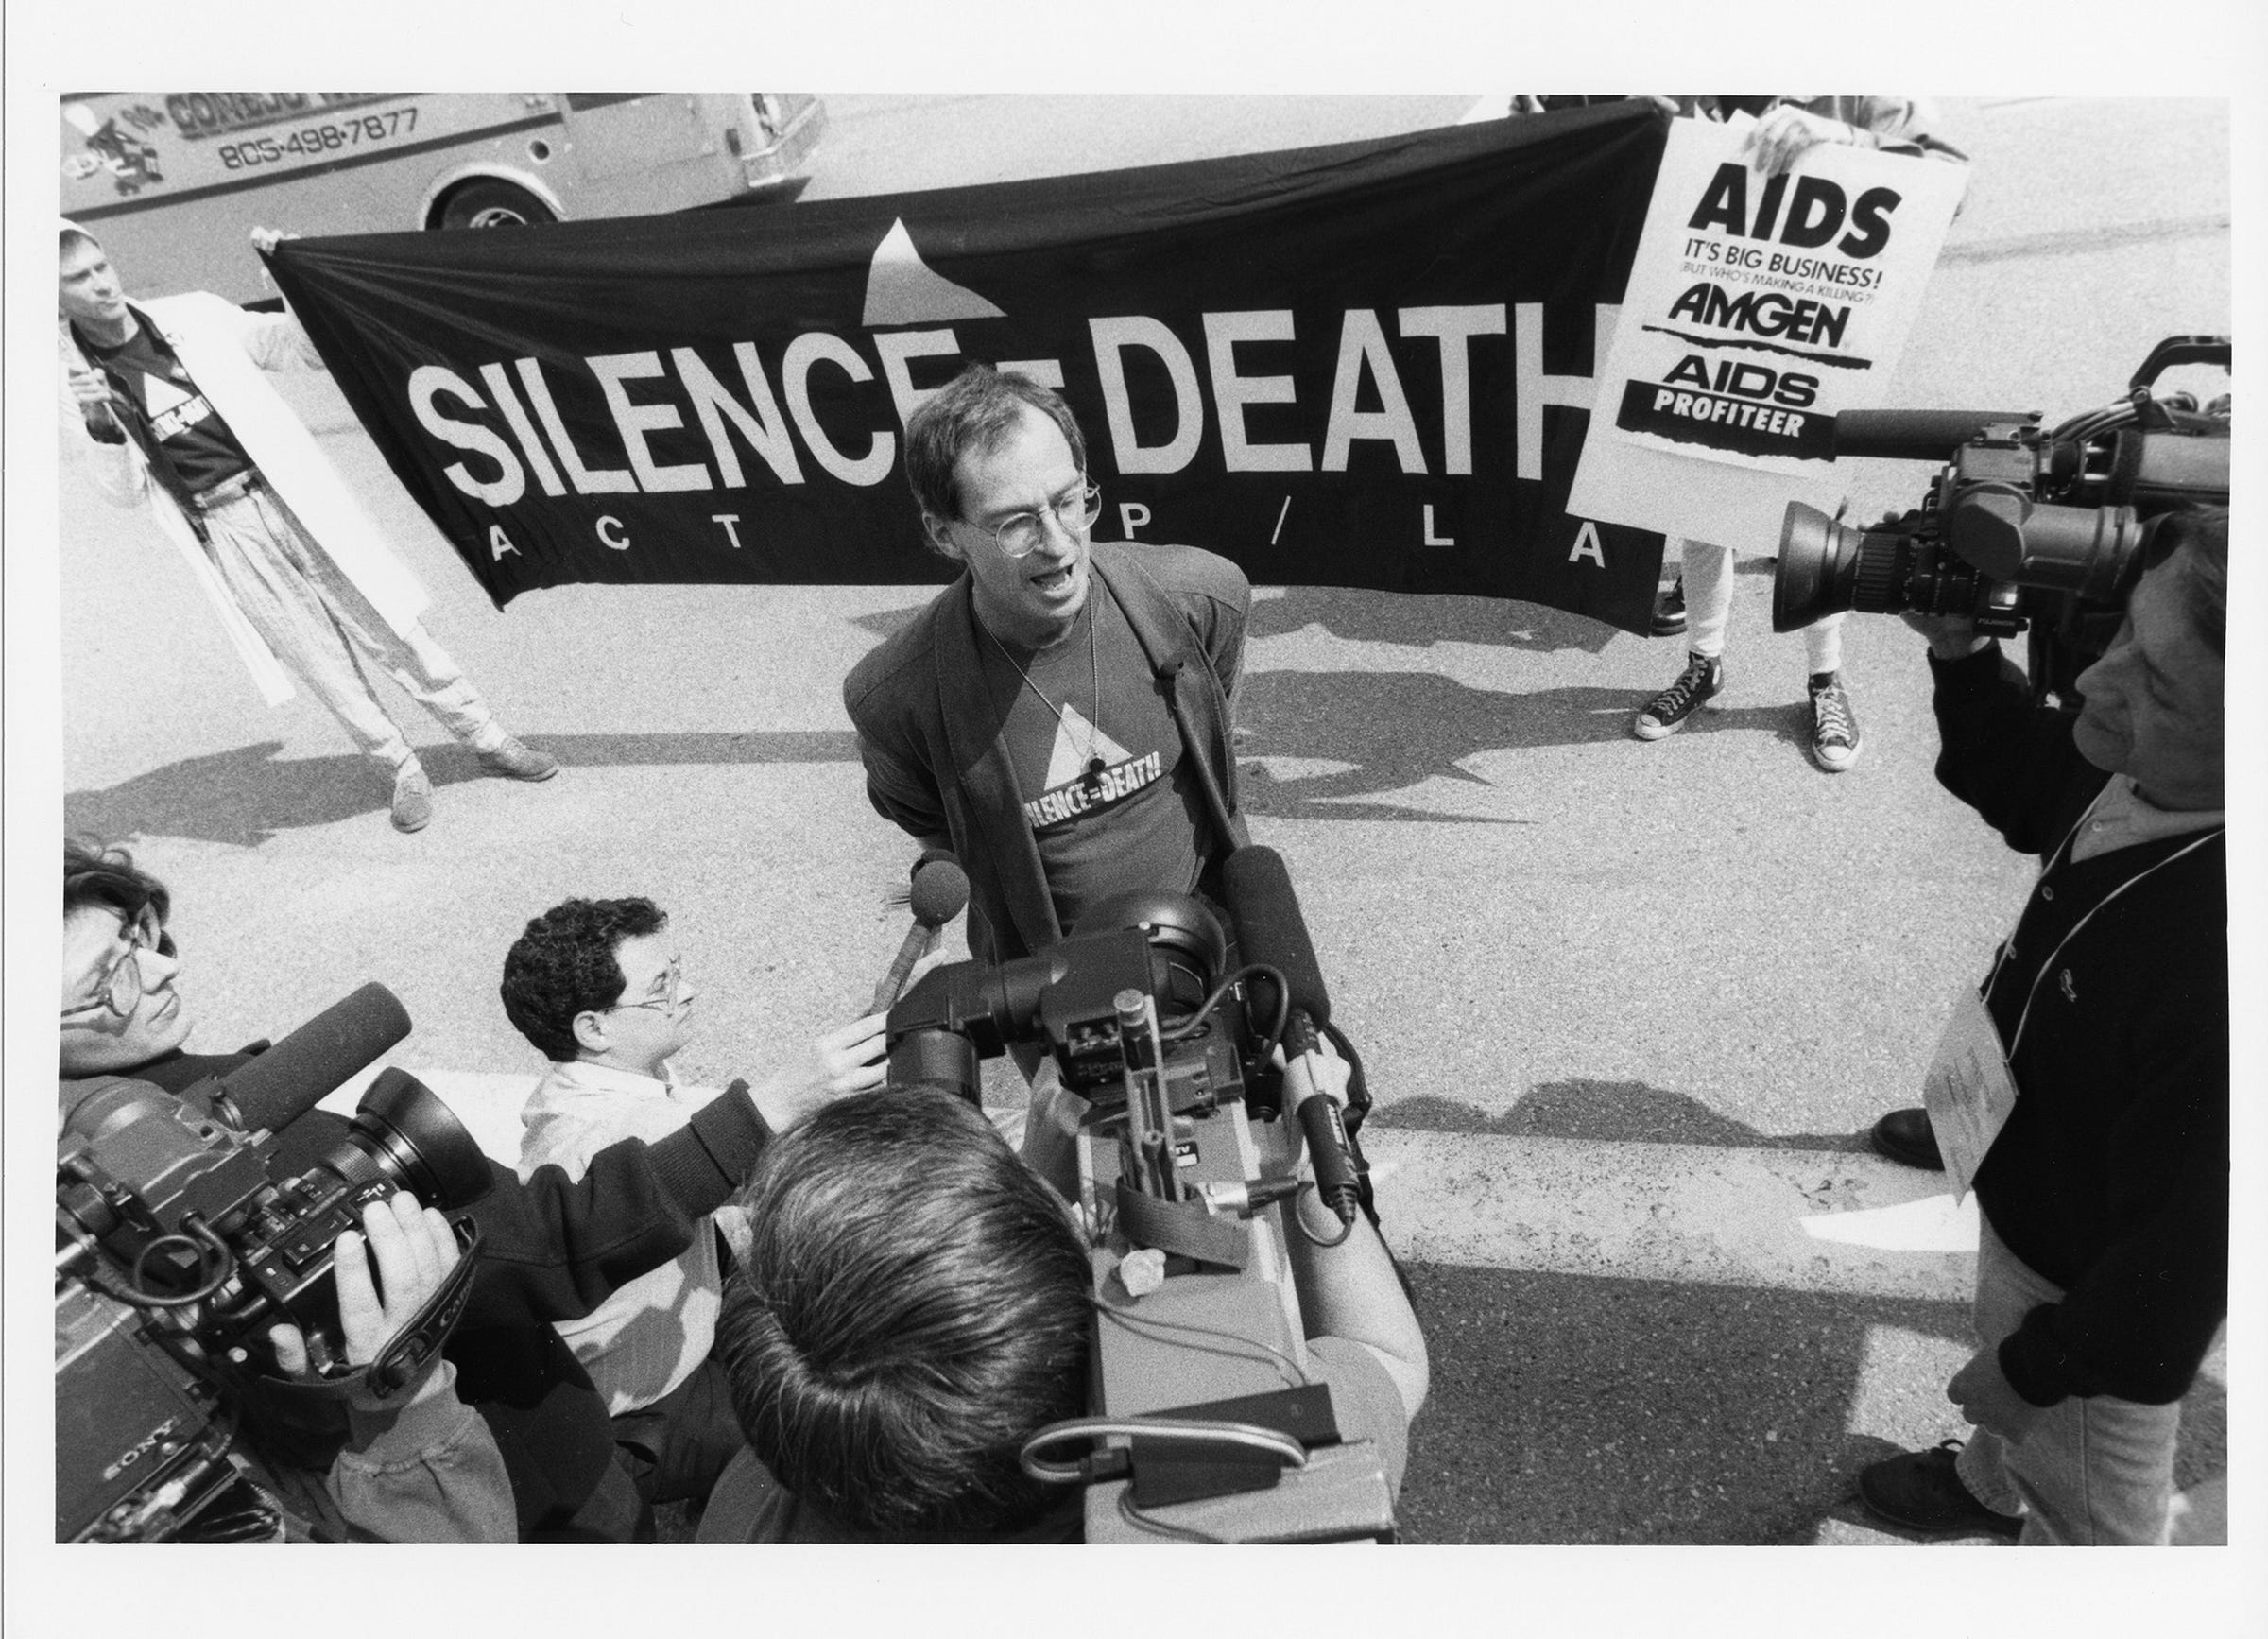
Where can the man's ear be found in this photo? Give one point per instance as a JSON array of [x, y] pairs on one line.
[[591, 1031], [934, 527]]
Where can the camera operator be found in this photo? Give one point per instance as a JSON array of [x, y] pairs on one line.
[[916, 1303], [416, 1467], [552, 1248], [2101, 1276]]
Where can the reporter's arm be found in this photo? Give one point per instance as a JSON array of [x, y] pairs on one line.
[[1352, 1291], [556, 1245]]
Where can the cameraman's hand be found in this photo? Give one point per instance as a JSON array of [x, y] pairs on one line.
[[1951, 637], [414, 1248], [1786, 133]]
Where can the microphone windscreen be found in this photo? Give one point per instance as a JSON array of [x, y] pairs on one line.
[[291, 1078], [940, 890], [1917, 435], [1270, 930]]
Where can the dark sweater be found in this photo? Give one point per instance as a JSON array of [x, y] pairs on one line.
[[551, 1250], [2111, 1175]]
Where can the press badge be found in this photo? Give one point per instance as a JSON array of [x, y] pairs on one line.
[[1967, 1089]]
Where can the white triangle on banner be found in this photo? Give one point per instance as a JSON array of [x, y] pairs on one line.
[[162, 395], [1075, 735], [901, 288]]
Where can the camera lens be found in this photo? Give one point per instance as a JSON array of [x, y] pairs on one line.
[[417, 1143]]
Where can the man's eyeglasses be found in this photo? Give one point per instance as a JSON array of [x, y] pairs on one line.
[[119, 989], [1020, 534], [665, 1004]]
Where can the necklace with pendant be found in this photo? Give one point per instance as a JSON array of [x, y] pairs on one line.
[[1093, 776]]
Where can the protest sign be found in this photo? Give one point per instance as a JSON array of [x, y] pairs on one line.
[[1759, 308]]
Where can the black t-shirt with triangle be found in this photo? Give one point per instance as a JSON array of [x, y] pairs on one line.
[[1110, 804], [176, 419]]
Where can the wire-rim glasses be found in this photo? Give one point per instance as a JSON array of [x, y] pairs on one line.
[[1020, 534], [672, 1002], [119, 990]]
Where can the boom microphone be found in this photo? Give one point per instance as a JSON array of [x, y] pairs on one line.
[[291, 1078], [1905, 434], [1271, 931], [940, 888]]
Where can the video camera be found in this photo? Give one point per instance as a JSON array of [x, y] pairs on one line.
[[1187, 1177], [180, 1238], [2022, 527]]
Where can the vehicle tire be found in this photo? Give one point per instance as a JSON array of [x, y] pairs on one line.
[[489, 204]]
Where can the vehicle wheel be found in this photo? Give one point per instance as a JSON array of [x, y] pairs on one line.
[[492, 204]]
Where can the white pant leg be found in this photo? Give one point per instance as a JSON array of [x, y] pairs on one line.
[[425, 671], [293, 619], [1823, 640], [1708, 595]]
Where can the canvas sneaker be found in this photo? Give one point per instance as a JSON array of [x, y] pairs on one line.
[[1667, 712], [1835, 742]]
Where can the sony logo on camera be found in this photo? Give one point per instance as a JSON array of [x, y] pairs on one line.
[[159, 1438]]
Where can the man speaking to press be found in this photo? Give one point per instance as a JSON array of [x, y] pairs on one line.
[[1059, 717], [2099, 1043]]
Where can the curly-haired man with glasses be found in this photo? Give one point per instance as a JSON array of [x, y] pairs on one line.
[[597, 987], [1055, 715]]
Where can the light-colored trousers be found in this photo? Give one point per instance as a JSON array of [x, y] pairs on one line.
[[321, 626], [2093, 1472], [1708, 607]]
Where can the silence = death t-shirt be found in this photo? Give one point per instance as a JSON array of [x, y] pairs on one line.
[[184, 428], [1133, 825]]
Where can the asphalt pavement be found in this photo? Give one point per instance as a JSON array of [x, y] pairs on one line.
[[1628, 1008]]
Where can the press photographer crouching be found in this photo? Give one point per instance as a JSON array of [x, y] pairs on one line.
[[2086, 1089], [550, 1249], [918, 1304]]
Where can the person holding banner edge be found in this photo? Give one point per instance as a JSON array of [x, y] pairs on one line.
[[1701, 598], [168, 402]]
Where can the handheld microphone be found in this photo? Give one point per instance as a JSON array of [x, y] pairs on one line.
[[291, 1078], [1271, 931], [940, 888]]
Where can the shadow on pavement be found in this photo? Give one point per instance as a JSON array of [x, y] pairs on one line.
[[1612, 1112], [1400, 729], [1570, 1408], [246, 795], [1425, 618]]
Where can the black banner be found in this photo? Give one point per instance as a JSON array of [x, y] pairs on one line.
[[1365, 365]]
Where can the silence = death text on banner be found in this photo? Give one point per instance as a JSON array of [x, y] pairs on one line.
[[1759, 308], [1367, 365]]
